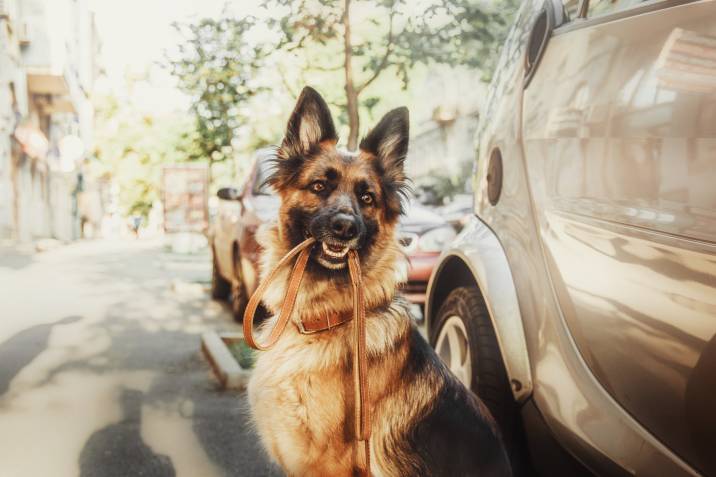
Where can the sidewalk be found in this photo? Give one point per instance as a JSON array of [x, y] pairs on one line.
[[102, 373]]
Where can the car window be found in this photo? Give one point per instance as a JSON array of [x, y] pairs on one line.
[[265, 168], [605, 7]]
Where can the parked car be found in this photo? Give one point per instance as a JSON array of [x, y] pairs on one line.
[[423, 234], [458, 211], [580, 301], [235, 252], [232, 235]]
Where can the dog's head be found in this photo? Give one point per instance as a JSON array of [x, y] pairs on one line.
[[344, 200]]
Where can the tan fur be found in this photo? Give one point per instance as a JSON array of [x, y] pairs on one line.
[[321, 297], [300, 391]]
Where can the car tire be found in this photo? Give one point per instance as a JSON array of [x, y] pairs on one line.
[[464, 331], [239, 297], [220, 287]]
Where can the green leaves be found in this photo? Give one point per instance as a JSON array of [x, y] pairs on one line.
[[343, 47], [133, 146], [387, 35], [215, 66]]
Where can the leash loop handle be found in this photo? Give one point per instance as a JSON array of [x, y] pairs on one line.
[[303, 250]]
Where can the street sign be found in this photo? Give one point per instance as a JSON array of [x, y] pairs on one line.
[[184, 194]]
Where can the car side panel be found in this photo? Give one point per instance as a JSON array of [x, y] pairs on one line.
[[583, 416], [250, 249], [230, 225], [621, 159], [225, 229]]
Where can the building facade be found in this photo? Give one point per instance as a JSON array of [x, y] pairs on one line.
[[48, 51], [444, 124]]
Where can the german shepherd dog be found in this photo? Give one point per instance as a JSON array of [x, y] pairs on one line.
[[424, 422]]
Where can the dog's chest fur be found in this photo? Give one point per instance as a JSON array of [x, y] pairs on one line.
[[301, 396], [299, 414]]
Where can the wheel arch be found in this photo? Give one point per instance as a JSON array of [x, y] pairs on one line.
[[477, 259], [452, 272]]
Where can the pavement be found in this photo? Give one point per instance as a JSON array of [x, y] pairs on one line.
[[100, 369]]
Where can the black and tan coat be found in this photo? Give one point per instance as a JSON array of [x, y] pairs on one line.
[[424, 422]]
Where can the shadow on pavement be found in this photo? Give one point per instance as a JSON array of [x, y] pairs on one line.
[[118, 450], [182, 396], [177, 421], [14, 259], [19, 350]]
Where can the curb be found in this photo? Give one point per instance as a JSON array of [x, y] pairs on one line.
[[227, 370]]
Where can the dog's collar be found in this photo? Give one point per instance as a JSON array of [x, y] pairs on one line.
[[313, 324], [316, 324]]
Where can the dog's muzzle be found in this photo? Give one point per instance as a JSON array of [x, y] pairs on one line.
[[337, 234]]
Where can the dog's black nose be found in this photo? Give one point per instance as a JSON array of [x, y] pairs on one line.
[[344, 226]]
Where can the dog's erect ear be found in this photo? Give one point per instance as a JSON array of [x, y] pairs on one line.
[[388, 142], [310, 124]]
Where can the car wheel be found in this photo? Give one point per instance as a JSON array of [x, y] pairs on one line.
[[239, 298], [454, 349], [220, 287], [465, 340]]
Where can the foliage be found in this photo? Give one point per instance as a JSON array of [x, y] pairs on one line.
[[353, 50], [245, 355], [215, 66], [389, 35], [132, 148], [437, 189]]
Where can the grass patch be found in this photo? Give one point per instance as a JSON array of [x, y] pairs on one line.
[[245, 355]]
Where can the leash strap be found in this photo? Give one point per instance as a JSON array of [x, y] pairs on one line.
[[360, 359], [302, 250], [360, 353]]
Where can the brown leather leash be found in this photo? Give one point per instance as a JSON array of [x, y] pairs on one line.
[[360, 365]]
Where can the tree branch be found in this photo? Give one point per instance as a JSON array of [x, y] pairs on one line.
[[299, 45], [325, 68], [383, 62]]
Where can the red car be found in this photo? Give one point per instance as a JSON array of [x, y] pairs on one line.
[[235, 252]]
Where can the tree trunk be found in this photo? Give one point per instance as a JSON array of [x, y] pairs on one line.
[[351, 92]]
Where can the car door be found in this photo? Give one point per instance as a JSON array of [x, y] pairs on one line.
[[619, 126]]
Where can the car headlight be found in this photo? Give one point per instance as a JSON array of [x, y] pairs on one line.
[[435, 240]]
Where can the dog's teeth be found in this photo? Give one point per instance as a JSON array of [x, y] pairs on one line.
[[339, 254]]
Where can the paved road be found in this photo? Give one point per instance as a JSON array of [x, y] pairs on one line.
[[100, 373]]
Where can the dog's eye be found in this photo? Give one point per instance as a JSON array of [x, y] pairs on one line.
[[367, 199], [317, 187]]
